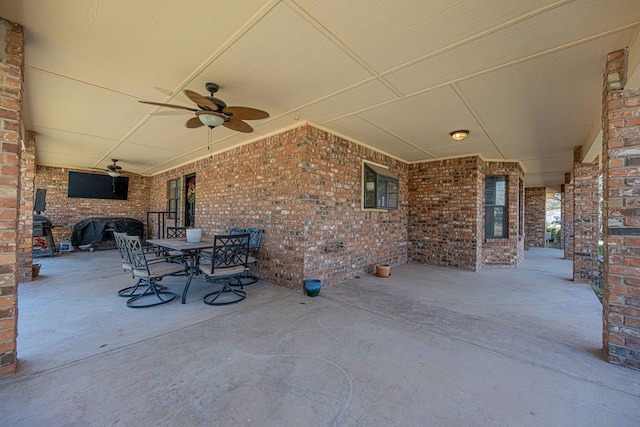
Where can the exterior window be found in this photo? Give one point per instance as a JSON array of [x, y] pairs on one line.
[[380, 188], [520, 207], [495, 199], [174, 198]]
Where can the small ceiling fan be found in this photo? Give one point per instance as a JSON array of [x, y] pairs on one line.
[[114, 170], [213, 111]]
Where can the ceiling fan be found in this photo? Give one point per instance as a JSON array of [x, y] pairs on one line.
[[114, 170], [213, 111]]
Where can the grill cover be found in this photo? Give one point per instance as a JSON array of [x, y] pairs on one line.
[[95, 230]]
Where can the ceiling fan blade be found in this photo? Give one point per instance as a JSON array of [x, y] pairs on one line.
[[246, 113], [194, 122], [201, 100], [237, 125], [168, 105], [172, 113]]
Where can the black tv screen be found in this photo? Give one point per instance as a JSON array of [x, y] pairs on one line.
[[96, 186]]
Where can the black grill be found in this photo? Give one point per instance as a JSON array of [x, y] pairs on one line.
[[42, 228]]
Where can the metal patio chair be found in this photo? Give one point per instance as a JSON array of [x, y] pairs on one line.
[[149, 273], [255, 239], [225, 265], [130, 291]]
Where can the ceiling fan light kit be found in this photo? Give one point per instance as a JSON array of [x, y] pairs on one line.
[[213, 120], [213, 112], [459, 135]]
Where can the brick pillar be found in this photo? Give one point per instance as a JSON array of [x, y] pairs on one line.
[[25, 218], [567, 219], [621, 215], [11, 71], [585, 219], [535, 218], [562, 197]]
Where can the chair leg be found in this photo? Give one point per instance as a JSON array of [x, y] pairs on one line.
[[130, 291], [152, 290], [247, 278], [212, 298]]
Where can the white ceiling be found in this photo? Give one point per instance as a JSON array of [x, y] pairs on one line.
[[524, 76]]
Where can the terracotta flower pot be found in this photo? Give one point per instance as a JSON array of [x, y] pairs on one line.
[[382, 270]]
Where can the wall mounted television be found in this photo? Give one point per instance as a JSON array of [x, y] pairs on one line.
[[97, 186]]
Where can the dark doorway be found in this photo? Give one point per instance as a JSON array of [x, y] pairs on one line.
[[190, 201]]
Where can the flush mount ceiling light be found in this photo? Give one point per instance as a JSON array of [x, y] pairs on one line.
[[459, 135]]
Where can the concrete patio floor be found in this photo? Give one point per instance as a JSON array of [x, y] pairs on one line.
[[428, 346]]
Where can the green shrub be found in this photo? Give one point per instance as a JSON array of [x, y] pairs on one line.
[[555, 232]]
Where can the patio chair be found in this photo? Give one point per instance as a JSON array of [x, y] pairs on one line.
[[149, 274], [236, 230], [255, 239], [232, 230], [130, 291], [227, 263], [175, 233]]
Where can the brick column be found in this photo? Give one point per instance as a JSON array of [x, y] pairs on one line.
[[562, 214], [585, 219], [621, 215], [535, 217], [11, 71], [25, 218], [567, 219]]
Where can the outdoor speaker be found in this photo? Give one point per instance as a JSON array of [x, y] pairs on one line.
[[41, 200]]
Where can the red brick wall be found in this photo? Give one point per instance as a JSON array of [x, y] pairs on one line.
[[507, 252], [303, 188], [445, 212], [446, 205], [586, 225], [11, 75], [567, 218], [621, 219], [64, 211], [535, 217], [562, 215], [334, 198], [25, 218]]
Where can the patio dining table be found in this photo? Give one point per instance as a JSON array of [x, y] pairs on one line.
[[190, 249]]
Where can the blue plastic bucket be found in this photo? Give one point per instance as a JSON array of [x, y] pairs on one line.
[[312, 287]]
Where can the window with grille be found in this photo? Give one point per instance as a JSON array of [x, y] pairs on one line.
[[174, 198], [380, 188], [495, 199]]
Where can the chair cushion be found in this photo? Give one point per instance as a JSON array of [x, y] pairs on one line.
[[161, 269], [222, 272]]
